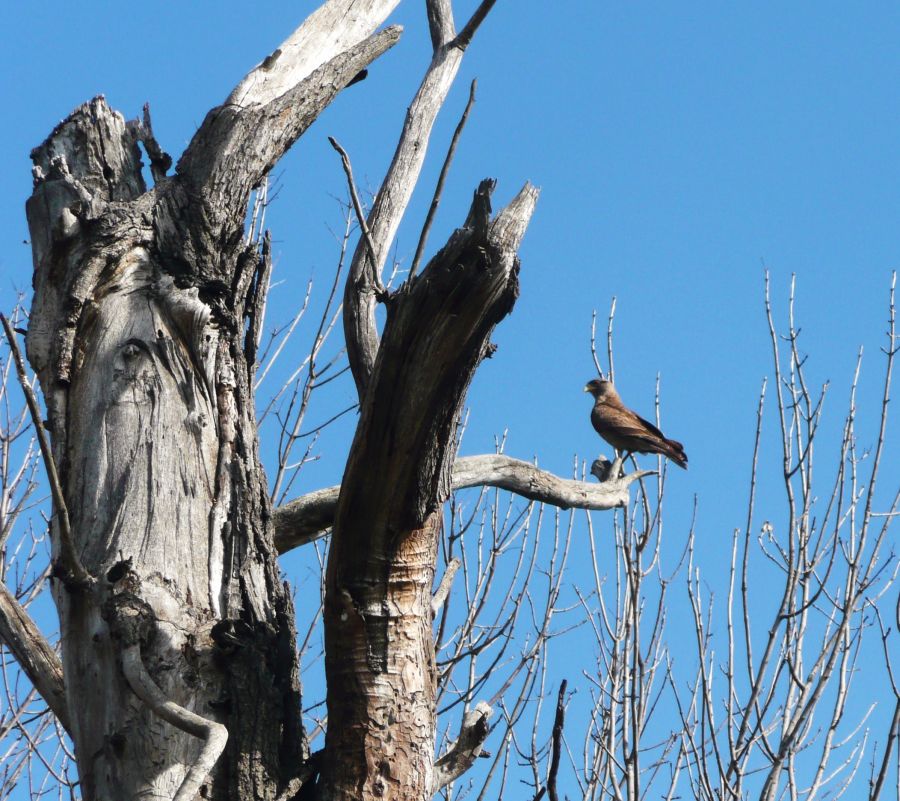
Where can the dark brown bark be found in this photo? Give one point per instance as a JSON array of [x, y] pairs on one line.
[[378, 640]]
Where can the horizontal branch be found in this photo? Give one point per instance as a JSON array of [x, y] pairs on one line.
[[309, 517], [34, 654]]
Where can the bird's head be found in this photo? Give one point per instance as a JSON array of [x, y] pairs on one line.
[[599, 388]]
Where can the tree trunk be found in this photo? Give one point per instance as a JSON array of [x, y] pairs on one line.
[[154, 433], [143, 334], [378, 639], [174, 620]]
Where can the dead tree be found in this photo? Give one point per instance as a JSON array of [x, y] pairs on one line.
[[174, 619]]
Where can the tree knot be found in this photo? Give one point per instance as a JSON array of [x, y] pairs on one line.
[[130, 619]]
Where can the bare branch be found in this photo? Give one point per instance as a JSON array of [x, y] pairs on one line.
[[465, 750], [237, 145], [331, 30], [360, 329], [74, 573], [357, 207], [309, 517], [523, 478], [877, 785], [34, 654], [429, 219], [465, 35], [440, 22], [557, 741]]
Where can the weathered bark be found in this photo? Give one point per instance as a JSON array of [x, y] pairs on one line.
[[150, 409], [378, 641], [138, 334]]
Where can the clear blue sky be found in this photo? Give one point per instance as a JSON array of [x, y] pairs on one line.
[[679, 149]]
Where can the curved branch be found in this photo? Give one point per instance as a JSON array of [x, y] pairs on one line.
[[34, 654], [215, 735], [309, 517], [523, 478]]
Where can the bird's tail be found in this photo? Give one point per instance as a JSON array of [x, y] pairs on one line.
[[675, 451]]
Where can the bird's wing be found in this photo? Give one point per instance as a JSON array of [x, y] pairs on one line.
[[610, 421], [650, 425]]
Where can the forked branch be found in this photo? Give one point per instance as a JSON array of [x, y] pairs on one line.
[[360, 298]]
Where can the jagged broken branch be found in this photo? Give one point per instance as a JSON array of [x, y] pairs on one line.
[[466, 749]]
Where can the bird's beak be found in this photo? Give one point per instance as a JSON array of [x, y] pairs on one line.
[[587, 388]]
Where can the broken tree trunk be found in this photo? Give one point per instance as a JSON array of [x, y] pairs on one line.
[[378, 620]]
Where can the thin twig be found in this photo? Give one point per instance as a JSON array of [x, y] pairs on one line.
[[609, 340], [465, 35], [435, 201], [357, 207], [77, 576]]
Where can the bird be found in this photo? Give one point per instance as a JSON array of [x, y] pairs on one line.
[[626, 431]]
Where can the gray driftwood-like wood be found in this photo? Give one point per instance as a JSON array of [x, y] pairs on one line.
[[360, 295], [138, 334], [310, 517]]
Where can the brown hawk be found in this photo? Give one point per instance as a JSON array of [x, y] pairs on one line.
[[626, 431]]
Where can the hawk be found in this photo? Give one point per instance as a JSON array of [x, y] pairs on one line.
[[626, 431]]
